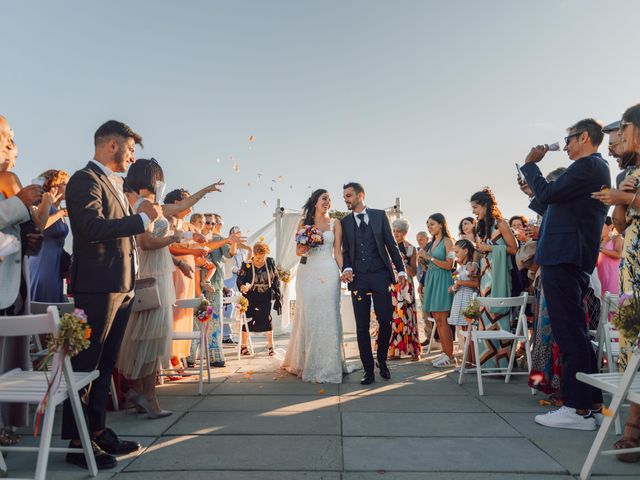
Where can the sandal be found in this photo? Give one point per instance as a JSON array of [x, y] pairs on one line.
[[8, 437], [415, 358], [271, 351], [442, 362], [245, 351], [628, 442], [177, 366]]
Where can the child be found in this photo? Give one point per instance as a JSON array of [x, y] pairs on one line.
[[466, 283]]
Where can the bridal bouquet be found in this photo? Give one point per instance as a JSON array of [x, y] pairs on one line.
[[204, 312], [309, 235]]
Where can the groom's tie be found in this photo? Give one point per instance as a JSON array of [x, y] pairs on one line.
[[362, 224]]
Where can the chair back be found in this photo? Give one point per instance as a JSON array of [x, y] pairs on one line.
[[188, 303], [508, 302], [41, 307], [24, 325]]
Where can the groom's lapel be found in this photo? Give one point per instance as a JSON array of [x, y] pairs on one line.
[[351, 234]]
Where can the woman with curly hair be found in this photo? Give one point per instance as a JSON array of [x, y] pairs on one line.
[[495, 242], [467, 229], [48, 269]]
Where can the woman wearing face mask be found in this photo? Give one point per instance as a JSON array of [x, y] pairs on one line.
[[626, 218]]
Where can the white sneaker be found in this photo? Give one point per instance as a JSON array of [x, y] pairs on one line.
[[566, 417], [598, 416], [438, 358], [442, 362]]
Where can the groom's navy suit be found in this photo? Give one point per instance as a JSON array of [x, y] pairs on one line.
[[368, 248]]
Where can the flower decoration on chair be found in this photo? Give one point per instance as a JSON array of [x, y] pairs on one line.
[[284, 275], [310, 236], [472, 312], [73, 336], [204, 312]]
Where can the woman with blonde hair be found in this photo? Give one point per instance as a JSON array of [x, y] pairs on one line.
[[259, 282], [49, 268]]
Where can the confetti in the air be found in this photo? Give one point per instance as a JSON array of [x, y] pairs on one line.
[[217, 160], [265, 203], [251, 138], [235, 167]]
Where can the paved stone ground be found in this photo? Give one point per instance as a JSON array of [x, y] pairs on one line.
[[257, 423]]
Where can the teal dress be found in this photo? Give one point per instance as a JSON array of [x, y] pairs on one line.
[[437, 282]]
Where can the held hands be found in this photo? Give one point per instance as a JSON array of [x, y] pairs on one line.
[[347, 277], [536, 154], [151, 210], [30, 195]]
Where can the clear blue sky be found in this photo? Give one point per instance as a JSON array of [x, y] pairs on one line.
[[426, 100]]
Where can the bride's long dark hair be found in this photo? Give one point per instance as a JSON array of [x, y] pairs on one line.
[[309, 208]]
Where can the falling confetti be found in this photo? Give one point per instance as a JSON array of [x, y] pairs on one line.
[[251, 138], [607, 412], [235, 167], [248, 184], [265, 203], [259, 175], [280, 177], [536, 378], [544, 403], [322, 391], [217, 160], [271, 188], [291, 187]]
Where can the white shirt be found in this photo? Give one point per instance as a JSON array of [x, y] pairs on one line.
[[366, 217], [117, 182]]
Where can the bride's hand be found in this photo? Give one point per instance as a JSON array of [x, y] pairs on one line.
[[302, 250]]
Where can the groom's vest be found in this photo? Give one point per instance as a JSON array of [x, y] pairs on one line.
[[366, 256]]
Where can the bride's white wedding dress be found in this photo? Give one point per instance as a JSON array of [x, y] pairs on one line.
[[315, 352]]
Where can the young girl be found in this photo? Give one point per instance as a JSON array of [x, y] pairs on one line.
[[466, 283]]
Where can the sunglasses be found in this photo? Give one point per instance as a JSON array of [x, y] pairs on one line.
[[208, 223], [568, 138], [624, 125]]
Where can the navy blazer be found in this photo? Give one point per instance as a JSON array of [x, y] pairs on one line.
[[572, 221], [387, 246]]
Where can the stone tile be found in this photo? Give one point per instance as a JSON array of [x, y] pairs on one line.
[[23, 464], [230, 475], [258, 423], [411, 403], [183, 388], [416, 387], [445, 454], [275, 388], [258, 452], [285, 403], [387, 475], [514, 403], [278, 376], [570, 447], [132, 423], [426, 425]]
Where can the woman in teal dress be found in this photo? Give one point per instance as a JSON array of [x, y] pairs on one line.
[[495, 243], [437, 299]]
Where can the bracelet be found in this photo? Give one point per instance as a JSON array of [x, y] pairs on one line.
[[633, 200]]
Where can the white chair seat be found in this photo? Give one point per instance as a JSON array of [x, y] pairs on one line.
[[185, 335], [610, 382], [494, 335], [29, 387]]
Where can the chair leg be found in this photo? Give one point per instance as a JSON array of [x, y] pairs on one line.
[[433, 334], [527, 347], [45, 442], [203, 331], [83, 431], [114, 395], [3, 466], [512, 359], [464, 357], [476, 349], [596, 446]]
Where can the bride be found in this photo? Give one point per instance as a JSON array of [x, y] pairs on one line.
[[315, 352]]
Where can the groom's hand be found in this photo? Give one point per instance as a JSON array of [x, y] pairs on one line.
[[347, 277]]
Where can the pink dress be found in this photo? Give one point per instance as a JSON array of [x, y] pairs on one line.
[[609, 271]]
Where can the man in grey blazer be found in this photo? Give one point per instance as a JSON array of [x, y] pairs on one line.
[[13, 212]]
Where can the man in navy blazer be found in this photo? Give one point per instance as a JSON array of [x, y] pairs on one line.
[[567, 251]]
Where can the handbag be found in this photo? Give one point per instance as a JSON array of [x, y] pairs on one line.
[[147, 295]]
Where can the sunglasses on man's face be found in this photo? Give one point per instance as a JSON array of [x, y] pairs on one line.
[[568, 138], [208, 223], [623, 126]]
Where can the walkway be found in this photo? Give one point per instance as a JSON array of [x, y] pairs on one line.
[[257, 423]]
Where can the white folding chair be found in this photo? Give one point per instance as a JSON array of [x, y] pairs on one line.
[[623, 386], [239, 320], [433, 333], [607, 337], [63, 307], [19, 386], [200, 335], [473, 335]]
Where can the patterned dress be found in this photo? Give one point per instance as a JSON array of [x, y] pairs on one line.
[[404, 326], [463, 295], [495, 281], [545, 355]]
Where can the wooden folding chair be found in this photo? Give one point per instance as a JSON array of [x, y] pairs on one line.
[[18, 386], [474, 335], [623, 386]]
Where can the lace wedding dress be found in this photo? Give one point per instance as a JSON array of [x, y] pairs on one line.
[[315, 352]]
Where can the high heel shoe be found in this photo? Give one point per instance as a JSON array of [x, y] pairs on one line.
[[143, 403], [132, 397]]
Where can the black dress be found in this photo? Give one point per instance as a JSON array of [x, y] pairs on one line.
[[264, 292]]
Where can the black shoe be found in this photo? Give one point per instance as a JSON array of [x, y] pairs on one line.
[[110, 443], [190, 362], [368, 378], [425, 343], [104, 461], [229, 341], [384, 371], [216, 364]]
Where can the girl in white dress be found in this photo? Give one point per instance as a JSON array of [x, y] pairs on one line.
[[466, 283]]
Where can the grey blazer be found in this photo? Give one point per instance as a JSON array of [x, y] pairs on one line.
[[12, 213]]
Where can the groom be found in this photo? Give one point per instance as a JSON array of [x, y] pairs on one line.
[[367, 244]]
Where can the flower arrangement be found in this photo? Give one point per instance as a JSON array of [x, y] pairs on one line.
[[627, 318], [73, 337], [338, 215], [284, 275], [243, 304], [309, 235], [473, 311], [204, 312]]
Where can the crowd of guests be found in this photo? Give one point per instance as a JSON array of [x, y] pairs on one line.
[[126, 229], [568, 256]]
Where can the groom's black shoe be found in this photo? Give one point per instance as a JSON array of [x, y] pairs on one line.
[[384, 371], [368, 378]]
